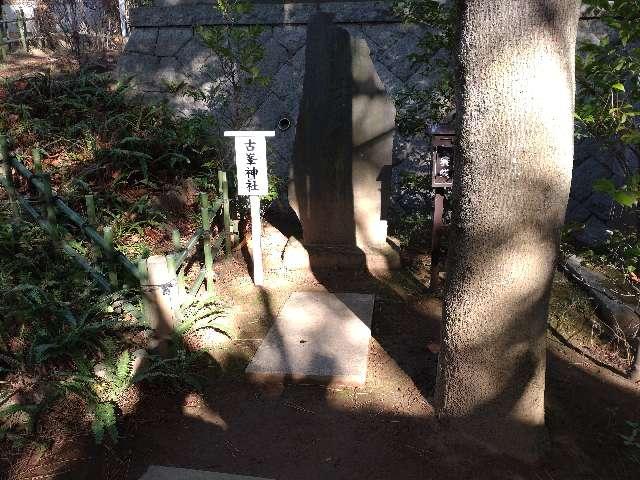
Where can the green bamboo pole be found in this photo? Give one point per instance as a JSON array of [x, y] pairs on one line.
[[196, 285], [22, 28], [90, 203], [4, 48], [175, 236], [142, 268], [37, 161], [90, 232], [49, 207], [7, 176], [4, 45], [206, 225], [108, 238], [66, 248], [190, 245], [37, 169], [91, 210], [217, 245], [223, 188]]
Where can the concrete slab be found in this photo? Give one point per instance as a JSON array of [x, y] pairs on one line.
[[156, 472], [318, 337]]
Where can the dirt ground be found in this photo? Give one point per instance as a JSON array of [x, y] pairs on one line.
[[385, 429], [20, 63]]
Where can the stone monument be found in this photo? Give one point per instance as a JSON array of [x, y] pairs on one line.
[[340, 170]]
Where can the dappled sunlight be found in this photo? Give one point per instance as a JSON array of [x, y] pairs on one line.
[[195, 407]]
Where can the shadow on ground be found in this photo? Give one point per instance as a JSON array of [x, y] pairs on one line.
[[383, 430]]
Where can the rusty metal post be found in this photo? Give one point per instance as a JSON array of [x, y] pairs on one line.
[[436, 235]]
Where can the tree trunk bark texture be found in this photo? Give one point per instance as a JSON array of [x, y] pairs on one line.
[[511, 185]]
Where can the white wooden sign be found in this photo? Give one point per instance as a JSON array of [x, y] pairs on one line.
[[251, 164]]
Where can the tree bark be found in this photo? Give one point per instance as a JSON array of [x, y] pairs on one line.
[[515, 67]]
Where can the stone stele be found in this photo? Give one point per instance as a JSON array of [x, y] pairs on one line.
[[318, 337], [340, 172]]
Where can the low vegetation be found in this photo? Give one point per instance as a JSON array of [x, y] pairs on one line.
[[61, 337]]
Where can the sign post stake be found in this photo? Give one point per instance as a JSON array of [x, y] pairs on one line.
[[253, 181], [256, 233]]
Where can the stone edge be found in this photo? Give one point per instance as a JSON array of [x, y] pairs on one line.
[[187, 15]]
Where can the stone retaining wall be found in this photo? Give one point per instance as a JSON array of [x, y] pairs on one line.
[[163, 48]]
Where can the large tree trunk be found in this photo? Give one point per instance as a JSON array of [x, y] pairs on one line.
[[511, 185]]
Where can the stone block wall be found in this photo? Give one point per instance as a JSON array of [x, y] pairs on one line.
[[164, 48]]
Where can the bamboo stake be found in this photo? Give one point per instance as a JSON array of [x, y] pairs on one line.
[[4, 48], [108, 238], [66, 248], [92, 217], [37, 161], [175, 235], [37, 169], [49, 207], [206, 225], [22, 27], [90, 232], [142, 268], [7, 176], [223, 188]]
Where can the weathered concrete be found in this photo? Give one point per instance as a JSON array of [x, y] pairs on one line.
[[170, 473], [318, 337]]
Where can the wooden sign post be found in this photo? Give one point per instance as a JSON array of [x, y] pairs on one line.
[[251, 164]]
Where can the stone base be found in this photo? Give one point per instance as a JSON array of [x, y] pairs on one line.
[[318, 337], [156, 472], [328, 257]]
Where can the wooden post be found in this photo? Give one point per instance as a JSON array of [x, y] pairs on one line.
[[223, 189], [22, 30], [160, 299], [256, 234], [108, 238], [206, 226], [7, 176]]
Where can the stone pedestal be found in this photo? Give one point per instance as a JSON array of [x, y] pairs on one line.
[[318, 337]]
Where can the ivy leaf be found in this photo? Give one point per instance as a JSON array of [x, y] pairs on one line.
[[604, 185], [623, 197], [632, 137]]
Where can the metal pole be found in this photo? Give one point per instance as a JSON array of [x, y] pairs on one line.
[[436, 232]]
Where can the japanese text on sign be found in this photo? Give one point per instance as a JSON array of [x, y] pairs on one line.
[[251, 162]]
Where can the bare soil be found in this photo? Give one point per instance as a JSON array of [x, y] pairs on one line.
[[21, 63], [385, 429]]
